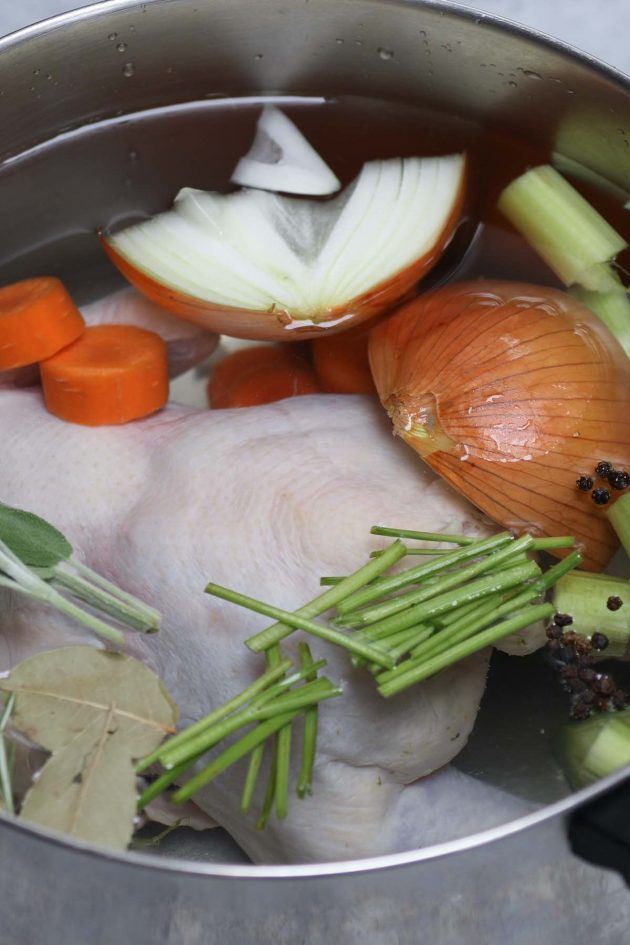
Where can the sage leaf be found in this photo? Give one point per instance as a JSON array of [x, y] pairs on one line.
[[97, 712], [34, 541]]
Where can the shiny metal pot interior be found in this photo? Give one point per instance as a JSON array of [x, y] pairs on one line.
[[62, 83]]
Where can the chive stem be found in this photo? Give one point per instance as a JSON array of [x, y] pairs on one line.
[[330, 598], [295, 621], [251, 779], [475, 590], [461, 650], [422, 536], [421, 571], [258, 686], [232, 754], [311, 722]]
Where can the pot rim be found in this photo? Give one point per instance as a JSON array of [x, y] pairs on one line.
[[562, 808]]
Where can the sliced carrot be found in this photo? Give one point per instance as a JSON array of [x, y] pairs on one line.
[[37, 319], [260, 375], [112, 374], [341, 362]]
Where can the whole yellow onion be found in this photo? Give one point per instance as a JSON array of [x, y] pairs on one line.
[[510, 392]]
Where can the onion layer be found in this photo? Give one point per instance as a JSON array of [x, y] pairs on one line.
[[254, 264], [510, 392]]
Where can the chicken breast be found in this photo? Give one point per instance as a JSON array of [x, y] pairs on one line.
[[264, 500]]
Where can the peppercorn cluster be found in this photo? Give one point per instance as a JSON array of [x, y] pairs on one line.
[[617, 479], [573, 657]]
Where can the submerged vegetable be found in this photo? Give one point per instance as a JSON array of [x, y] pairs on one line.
[[593, 748], [37, 319], [511, 392], [256, 265], [112, 374], [260, 375], [281, 159]]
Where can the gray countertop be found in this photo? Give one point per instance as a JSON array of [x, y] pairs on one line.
[[600, 29]]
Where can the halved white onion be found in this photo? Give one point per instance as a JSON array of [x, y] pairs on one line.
[[252, 263], [282, 160]]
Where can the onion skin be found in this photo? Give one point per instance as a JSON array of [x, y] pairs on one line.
[[259, 325], [511, 392]]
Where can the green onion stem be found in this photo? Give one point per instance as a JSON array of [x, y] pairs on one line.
[[475, 590], [251, 778], [420, 572], [422, 536], [311, 722], [548, 544], [262, 683], [232, 754], [461, 650], [270, 790], [164, 781], [446, 583], [330, 598], [298, 622], [293, 700]]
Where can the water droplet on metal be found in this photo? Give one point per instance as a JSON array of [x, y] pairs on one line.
[[128, 70], [530, 74], [132, 156], [112, 37], [49, 76], [385, 54], [121, 47], [339, 41], [36, 71], [258, 56], [513, 84], [358, 42]]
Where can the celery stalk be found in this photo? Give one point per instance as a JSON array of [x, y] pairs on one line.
[[619, 517], [592, 749], [565, 230], [584, 595], [613, 308]]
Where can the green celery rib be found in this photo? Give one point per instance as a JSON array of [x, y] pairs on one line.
[[570, 235]]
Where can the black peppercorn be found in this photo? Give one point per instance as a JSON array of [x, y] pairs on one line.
[[563, 620], [614, 603], [553, 631], [620, 699], [599, 641], [600, 496], [619, 480], [604, 469], [584, 483], [587, 674], [580, 711], [604, 685]]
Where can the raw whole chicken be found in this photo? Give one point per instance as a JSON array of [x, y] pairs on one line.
[[265, 500]]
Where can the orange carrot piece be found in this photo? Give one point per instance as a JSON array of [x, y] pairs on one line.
[[112, 374], [260, 375], [37, 319], [341, 362]]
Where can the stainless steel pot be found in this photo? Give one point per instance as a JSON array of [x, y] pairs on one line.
[[64, 85]]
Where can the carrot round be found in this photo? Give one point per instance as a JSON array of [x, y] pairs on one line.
[[260, 375], [37, 319], [341, 362], [112, 374]]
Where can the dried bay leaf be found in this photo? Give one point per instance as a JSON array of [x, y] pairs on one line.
[[96, 711]]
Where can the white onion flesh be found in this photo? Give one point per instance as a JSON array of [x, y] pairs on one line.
[[282, 160], [262, 251]]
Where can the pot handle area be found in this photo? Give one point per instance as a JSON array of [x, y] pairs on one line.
[[599, 831]]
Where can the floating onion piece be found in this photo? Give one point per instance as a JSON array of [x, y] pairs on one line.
[[595, 747], [254, 265], [510, 392], [281, 159]]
